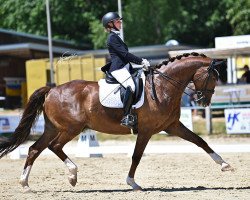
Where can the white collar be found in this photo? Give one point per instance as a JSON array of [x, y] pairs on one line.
[[116, 32]]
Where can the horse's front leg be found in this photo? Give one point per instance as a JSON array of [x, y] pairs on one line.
[[180, 130], [141, 143]]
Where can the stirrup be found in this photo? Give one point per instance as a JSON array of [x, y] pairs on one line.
[[129, 121]]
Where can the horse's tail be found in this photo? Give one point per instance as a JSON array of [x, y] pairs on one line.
[[31, 112]]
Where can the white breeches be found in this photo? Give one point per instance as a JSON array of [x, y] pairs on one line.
[[124, 77]]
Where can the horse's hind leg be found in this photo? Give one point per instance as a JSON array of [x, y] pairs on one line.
[[34, 151], [56, 146], [183, 132]]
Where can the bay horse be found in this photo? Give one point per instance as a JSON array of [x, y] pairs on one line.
[[74, 106]]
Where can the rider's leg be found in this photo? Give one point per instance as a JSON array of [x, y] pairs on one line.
[[128, 100], [124, 78], [128, 119]]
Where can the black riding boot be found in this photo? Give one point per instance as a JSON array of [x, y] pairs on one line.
[[129, 120]]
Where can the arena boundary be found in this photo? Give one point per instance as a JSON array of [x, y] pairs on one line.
[[127, 149]]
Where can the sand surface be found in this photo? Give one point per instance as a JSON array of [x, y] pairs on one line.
[[170, 176]]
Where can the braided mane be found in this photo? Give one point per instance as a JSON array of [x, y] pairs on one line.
[[178, 57]]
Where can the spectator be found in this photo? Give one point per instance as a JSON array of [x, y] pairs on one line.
[[245, 78], [188, 98]]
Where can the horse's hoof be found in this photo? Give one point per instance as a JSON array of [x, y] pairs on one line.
[[132, 183], [72, 181], [27, 189], [137, 188], [226, 167], [24, 184]]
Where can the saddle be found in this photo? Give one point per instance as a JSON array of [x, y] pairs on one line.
[[136, 76], [111, 93]]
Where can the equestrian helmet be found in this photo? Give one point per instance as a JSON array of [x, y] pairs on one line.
[[109, 17]]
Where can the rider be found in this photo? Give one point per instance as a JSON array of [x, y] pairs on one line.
[[120, 62]]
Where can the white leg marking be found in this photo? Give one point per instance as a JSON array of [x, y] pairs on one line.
[[132, 183], [224, 166], [72, 171], [217, 158], [24, 179]]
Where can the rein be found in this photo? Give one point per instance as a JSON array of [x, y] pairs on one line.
[[199, 93]]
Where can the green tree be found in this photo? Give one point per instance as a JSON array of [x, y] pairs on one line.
[[199, 22], [146, 23], [238, 15], [97, 34], [23, 16], [70, 19]]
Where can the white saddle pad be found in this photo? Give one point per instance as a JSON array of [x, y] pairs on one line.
[[110, 97]]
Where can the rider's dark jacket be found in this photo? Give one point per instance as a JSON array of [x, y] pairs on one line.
[[118, 51]]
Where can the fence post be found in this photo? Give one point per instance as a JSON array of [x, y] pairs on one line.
[[209, 119]]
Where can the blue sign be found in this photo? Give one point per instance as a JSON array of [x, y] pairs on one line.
[[237, 120]]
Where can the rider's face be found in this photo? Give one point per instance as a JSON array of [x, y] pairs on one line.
[[118, 23]]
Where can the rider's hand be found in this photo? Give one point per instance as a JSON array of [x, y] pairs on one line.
[[145, 64]]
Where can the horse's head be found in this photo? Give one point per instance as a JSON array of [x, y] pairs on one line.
[[205, 80], [196, 70]]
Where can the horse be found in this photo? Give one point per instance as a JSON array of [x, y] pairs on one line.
[[70, 108]]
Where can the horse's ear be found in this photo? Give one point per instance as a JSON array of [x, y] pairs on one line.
[[215, 64], [219, 63]]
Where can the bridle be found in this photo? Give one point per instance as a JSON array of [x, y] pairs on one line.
[[210, 70], [200, 93]]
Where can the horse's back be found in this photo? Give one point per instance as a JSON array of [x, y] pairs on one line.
[[72, 90], [75, 84]]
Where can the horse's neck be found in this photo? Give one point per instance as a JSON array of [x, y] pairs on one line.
[[182, 72], [178, 77]]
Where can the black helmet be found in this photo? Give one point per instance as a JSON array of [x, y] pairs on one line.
[[108, 17]]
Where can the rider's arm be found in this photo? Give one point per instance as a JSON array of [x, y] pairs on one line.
[[121, 50]]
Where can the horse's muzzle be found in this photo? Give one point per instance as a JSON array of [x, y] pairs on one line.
[[202, 99]]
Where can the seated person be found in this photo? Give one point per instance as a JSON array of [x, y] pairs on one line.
[[246, 75]]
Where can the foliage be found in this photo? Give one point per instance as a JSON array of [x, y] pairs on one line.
[[145, 23], [194, 22], [200, 22], [239, 16], [23, 16], [70, 20], [97, 35]]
